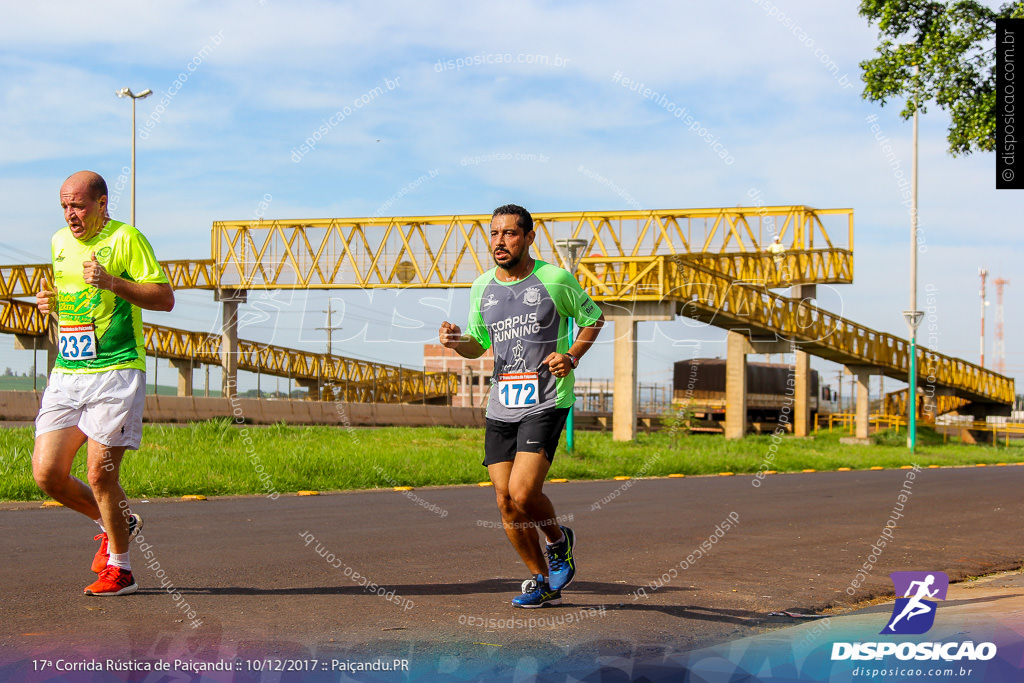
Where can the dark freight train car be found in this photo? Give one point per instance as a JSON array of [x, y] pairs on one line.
[[700, 382]]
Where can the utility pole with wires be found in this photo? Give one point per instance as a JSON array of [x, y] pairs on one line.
[[330, 329]]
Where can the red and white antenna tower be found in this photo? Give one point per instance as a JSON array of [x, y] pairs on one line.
[[999, 348], [984, 274]]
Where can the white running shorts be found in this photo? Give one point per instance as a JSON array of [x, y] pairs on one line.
[[106, 406]]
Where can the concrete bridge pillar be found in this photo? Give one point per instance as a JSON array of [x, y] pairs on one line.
[[802, 370], [184, 368], [229, 298], [930, 401], [312, 386], [738, 346], [802, 394], [624, 406], [862, 418]]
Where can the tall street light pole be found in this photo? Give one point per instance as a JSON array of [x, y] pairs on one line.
[[126, 92], [913, 316]]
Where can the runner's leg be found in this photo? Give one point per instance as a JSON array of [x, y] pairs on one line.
[[52, 457], [519, 528], [104, 479], [525, 487]]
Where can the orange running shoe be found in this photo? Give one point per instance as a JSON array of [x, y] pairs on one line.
[[102, 556], [113, 581]]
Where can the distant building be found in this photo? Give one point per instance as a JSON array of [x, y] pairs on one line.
[[474, 375]]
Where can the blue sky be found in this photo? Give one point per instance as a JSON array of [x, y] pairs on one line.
[[480, 104]]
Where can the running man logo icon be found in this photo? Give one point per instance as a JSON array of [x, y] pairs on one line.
[[518, 363], [913, 614]]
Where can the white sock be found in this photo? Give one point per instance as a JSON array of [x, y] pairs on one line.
[[120, 560], [558, 541], [100, 523]]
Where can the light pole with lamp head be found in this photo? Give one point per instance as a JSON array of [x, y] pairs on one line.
[[913, 316], [571, 253], [126, 92]]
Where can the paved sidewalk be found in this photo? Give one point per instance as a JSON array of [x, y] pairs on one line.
[[990, 609]]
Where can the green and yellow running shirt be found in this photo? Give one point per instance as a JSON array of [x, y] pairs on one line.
[[525, 321], [100, 331]]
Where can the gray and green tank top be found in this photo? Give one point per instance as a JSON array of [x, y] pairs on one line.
[[524, 322]]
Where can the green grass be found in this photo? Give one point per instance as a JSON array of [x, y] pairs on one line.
[[15, 383], [221, 458]]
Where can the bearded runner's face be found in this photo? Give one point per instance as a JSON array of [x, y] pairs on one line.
[[508, 242]]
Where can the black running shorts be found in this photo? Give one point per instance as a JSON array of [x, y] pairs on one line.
[[542, 431]]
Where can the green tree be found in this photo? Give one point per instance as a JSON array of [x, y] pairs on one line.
[[953, 43]]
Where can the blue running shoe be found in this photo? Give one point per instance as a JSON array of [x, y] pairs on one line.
[[537, 593], [561, 565]]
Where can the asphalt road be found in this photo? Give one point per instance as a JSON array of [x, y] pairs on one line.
[[281, 578]]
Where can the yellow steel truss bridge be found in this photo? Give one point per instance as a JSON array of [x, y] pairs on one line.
[[716, 265]]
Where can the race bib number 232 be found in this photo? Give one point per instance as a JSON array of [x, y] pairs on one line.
[[77, 342]]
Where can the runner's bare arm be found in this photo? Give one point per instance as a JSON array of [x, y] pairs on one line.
[[152, 296], [451, 337], [559, 364]]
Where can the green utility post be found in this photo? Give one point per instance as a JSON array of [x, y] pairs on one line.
[[569, 423], [571, 252]]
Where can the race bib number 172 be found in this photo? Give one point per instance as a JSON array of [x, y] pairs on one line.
[[518, 389]]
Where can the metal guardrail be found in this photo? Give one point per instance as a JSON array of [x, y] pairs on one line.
[[846, 421]]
